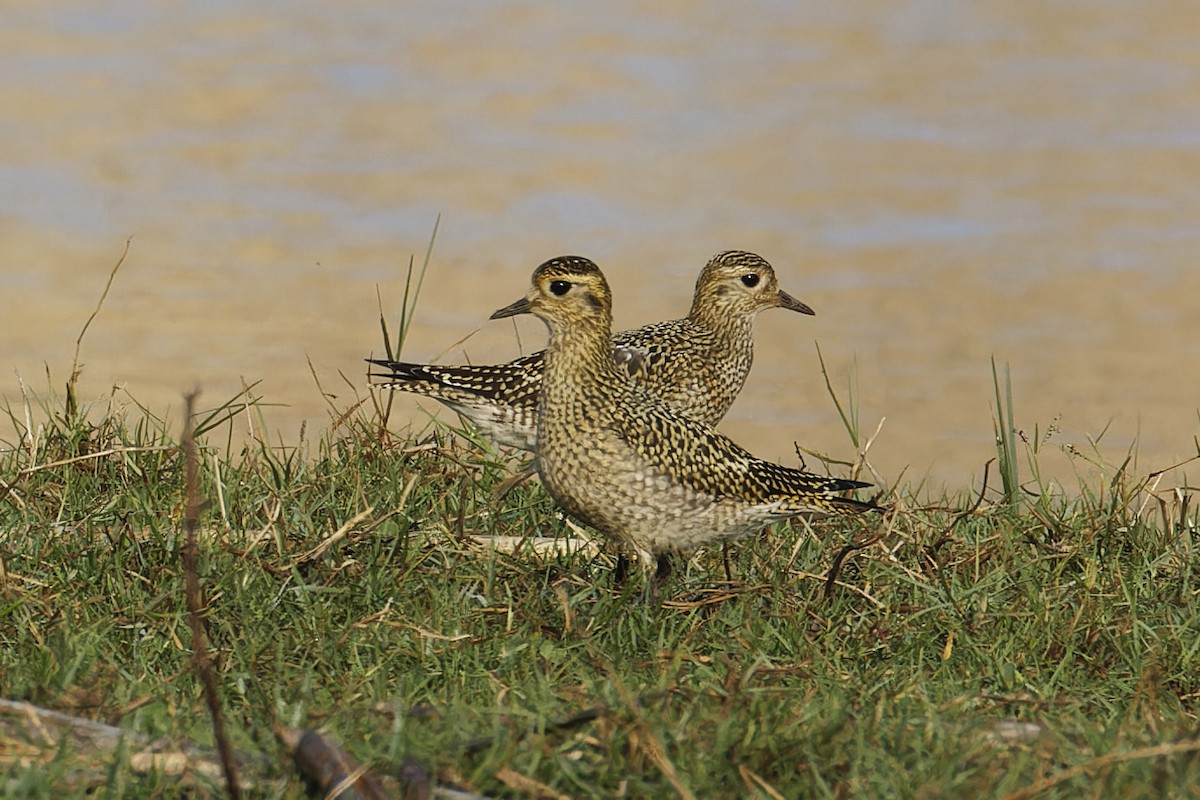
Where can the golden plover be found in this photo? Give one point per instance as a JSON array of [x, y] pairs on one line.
[[696, 365], [643, 474]]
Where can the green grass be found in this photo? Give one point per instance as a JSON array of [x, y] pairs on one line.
[[1049, 649]]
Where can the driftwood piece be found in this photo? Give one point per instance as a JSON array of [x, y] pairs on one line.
[[536, 545], [333, 772], [30, 735], [330, 769]]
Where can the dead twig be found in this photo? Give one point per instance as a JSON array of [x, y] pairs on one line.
[[75, 368], [564, 724], [1101, 762], [201, 660], [835, 568]]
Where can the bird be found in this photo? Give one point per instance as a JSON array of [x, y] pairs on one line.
[[697, 364], [649, 478]]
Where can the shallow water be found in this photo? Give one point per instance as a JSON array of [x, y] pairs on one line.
[[943, 182]]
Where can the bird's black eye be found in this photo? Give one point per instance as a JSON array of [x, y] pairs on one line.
[[750, 279], [560, 288]]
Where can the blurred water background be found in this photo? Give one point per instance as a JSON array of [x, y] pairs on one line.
[[944, 182]]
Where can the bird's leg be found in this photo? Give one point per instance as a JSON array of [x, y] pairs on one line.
[[662, 570], [662, 567], [621, 571]]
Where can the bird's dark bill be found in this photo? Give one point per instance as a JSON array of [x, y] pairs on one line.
[[519, 307], [789, 302]]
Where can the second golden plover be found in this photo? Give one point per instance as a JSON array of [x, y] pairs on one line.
[[696, 365], [646, 476]]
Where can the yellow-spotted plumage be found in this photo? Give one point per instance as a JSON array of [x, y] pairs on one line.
[[645, 475]]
